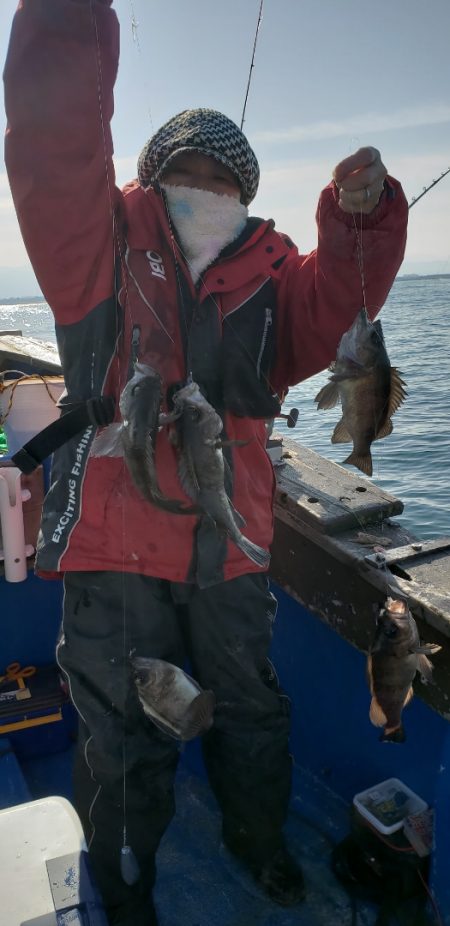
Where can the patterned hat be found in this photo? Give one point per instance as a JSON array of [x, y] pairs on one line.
[[208, 132]]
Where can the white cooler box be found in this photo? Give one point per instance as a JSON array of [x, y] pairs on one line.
[[45, 878]]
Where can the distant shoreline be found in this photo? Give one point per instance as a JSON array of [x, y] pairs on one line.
[[422, 276], [21, 300], [28, 300]]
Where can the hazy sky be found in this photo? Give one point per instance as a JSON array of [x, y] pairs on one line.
[[329, 76]]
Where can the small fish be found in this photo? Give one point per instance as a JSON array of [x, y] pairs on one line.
[[369, 389], [172, 699], [394, 658], [202, 468], [140, 409]]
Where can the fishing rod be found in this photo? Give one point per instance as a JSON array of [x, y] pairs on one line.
[[415, 199], [252, 64]]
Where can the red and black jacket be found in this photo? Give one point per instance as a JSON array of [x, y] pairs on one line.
[[262, 318]]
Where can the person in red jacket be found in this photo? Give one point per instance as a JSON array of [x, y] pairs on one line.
[[173, 273]]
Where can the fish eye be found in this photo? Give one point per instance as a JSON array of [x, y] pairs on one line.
[[195, 413]]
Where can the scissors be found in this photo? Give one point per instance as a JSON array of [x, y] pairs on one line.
[[14, 673]]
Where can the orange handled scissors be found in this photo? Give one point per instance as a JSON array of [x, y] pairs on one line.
[[14, 673]]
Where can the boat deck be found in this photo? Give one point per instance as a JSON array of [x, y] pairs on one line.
[[201, 884]]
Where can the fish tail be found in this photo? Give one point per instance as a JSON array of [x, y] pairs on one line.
[[199, 716], [393, 735], [256, 554], [361, 461]]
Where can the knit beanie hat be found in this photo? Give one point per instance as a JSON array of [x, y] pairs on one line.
[[208, 132]]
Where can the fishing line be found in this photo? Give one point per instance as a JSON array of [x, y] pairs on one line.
[[360, 255], [252, 63], [135, 33]]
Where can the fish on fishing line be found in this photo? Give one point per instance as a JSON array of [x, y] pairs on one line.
[[368, 387], [202, 467], [395, 656], [173, 700], [140, 405]]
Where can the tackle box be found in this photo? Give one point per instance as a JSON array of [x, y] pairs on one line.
[[35, 713], [387, 805]]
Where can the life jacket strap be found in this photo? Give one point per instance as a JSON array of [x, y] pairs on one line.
[[98, 411]]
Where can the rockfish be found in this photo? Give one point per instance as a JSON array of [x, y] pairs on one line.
[[172, 699], [394, 658], [202, 467], [140, 409], [369, 389]]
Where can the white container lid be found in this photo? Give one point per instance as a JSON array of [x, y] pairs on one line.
[[387, 804], [30, 834]]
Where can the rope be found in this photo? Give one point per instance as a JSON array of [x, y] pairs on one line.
[[13, 385]]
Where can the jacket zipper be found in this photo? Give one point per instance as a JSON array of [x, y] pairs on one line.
[[267, 324]]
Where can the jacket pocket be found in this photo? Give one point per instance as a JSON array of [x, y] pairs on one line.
[[248, 355]]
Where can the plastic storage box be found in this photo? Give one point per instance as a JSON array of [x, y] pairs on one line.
[[45, 876], [387, 804]]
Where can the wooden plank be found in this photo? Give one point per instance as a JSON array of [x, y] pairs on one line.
[[325, 496], [28, 354]]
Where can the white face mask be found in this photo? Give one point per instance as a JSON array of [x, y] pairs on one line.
[[205, 222]]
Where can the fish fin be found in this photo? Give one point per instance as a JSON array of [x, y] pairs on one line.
[[369, 673], [238, 518], [199, 716], [188, 478], [385, 430], [425, 669], [428, 649], [328, 396], [376, 714], [108, 441], [398, 393], [409, 696], [397, 735], [362, 462], [340, 434], [257, 554]]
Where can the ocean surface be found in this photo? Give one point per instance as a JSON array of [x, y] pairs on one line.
[[413, 463]]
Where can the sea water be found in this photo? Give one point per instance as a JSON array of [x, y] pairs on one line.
[[412, 463]]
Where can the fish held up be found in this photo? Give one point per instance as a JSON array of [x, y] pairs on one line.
[[395, 657], [140, 404], [172, 699], [369, 388], [202, 467]]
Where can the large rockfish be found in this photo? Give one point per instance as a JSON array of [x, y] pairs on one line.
[[202, 467], [369, 389], [394, 658], [140, 404]]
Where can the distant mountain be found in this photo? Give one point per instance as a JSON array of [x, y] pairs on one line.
[[20, 300], [423, 276]]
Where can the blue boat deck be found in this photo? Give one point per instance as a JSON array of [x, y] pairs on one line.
[[336, 753], [201, 884]]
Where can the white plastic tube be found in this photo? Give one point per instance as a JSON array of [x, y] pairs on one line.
[[14, 551]]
